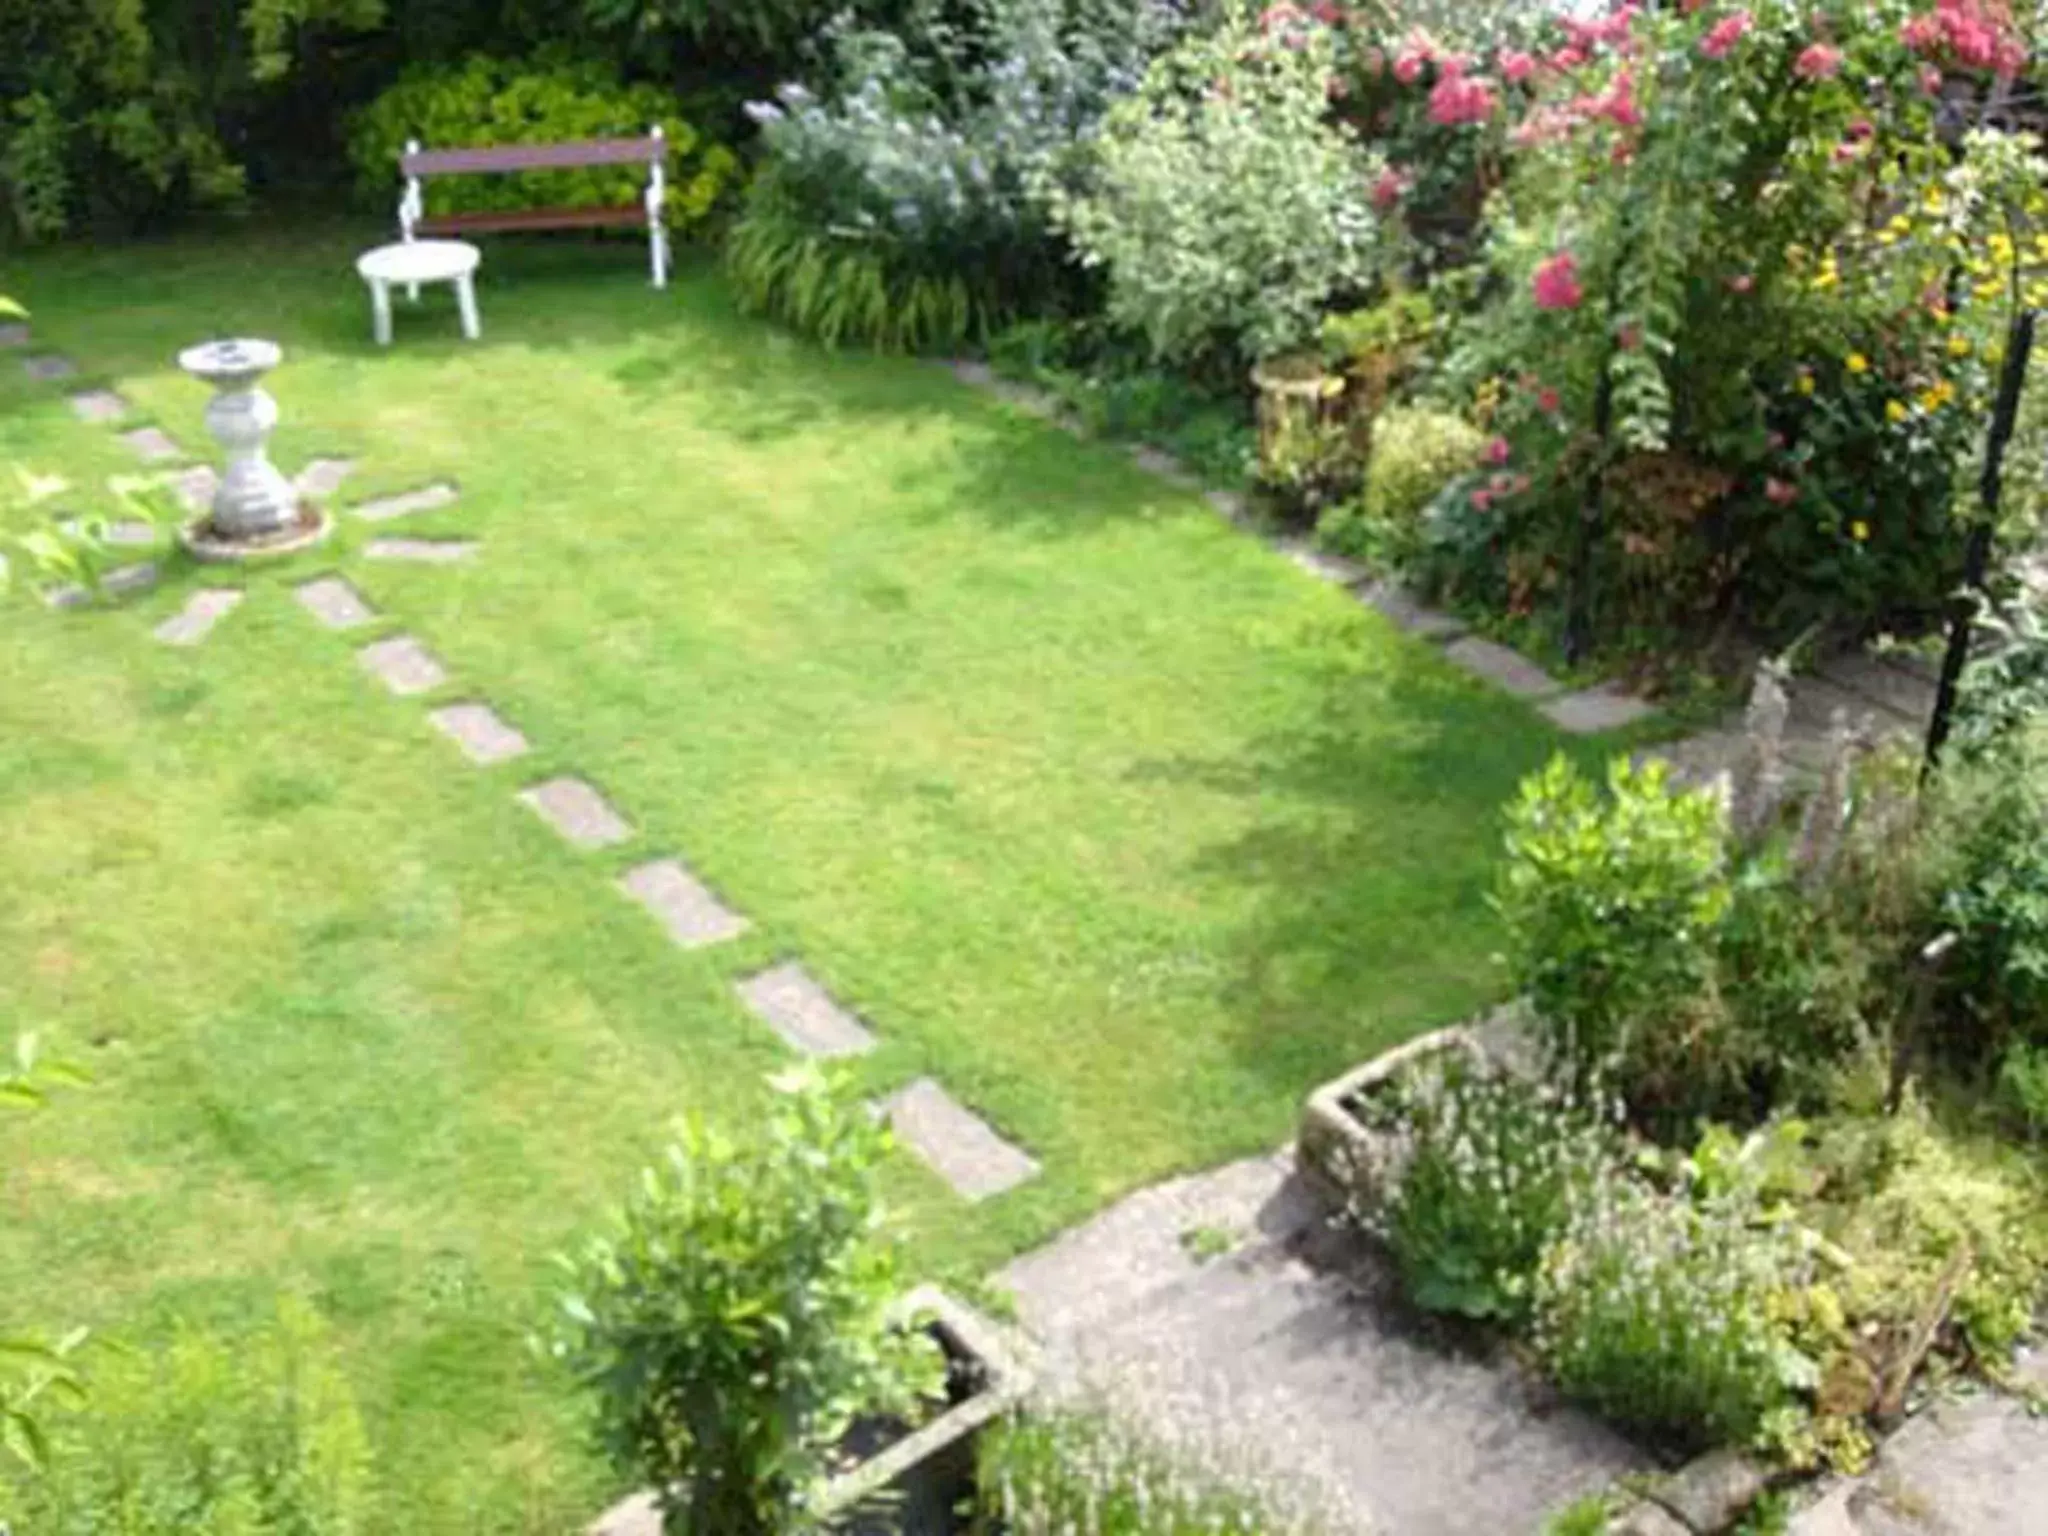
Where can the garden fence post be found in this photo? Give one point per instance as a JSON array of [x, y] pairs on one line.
[[2019, 347]]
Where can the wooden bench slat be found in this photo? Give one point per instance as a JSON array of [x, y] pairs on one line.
[[532, 157], [631, 216]]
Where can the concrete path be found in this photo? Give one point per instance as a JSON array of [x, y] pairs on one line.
[[1290, 1353]]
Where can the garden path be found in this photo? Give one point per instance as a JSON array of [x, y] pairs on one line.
[[1286, 1359]]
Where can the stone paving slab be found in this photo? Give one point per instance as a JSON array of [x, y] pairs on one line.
[[420, 551], [1321, 563], [1593, 710], [1401, 606], [578, 812], [1292, 1351], [1228, 504], [99, 405], [194, 622], [427, 498], [194, 487], [403, 665], [682, 904], [48, 367], [152, 445], [1157, 461], [1504, 668], [1897, 689], [481, 732], [1977, 1467], [788, 1001], [334, 602], [959, 1145], [14, 333], [131, 533], [321, 478], [126, 579]]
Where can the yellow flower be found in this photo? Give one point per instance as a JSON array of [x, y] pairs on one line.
[[1826, 278], [1859, 530], [1936, 395], [1900, 225], [1894, 411], [1805, 384], [1856, 362], [1959, 345], [1932, 199]]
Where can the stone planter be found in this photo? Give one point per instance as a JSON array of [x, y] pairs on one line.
[[910, 1484], [1306, 454], [1342, 1157]]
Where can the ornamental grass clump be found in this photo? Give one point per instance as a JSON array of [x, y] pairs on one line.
[[1662, 1312], [1497, 1167]]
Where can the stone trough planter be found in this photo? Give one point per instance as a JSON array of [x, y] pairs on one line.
[[911, 1483], [1342, 1155]]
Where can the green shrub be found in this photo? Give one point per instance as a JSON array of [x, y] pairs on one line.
[[1416, 452], [737, 1319], [1062, 1474], [1221, 202], [210, 1435], [1660, 1312], [2023, 1087], [549, 98], [1495, 1170]]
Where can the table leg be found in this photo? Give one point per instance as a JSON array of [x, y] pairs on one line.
[[380, 312], [465, 299]]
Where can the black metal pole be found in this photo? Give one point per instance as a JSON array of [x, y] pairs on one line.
[[1578, 621], [2019, 346]]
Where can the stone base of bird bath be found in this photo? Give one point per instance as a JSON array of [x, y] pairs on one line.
[[256, 512]]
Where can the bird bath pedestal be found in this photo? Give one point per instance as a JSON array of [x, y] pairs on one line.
[[255, 510]]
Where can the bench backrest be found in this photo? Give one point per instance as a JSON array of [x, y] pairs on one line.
[[532, 157]]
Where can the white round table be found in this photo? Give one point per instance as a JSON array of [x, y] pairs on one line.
[[413, 262]]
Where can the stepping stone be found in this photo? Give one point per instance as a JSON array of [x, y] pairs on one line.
[[196, 619], [152, 445], [1902, 691], [788, 1001], [1502, 667], [14, 333], [131, 533], [1228, 503], [958, 1143], [403, 665], [98, 405], [975, 375], [334, 603], [130, 578], [577, 811], [48, 367], [1320, 562], [1399, 605], [679, 901], [194, 487], [321, 478], [427, 498], [1593, 710], [1157, 461], [421, 551], [483, 736]]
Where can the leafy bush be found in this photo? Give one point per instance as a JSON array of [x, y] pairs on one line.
[[1660, 1312], [1611, 904], [257, 1438], [1416, 452], [2023, 1087], [1223, 205], [549, 98], [1047, 1474], [1495, 1170], [738, 1318], [894, 210]]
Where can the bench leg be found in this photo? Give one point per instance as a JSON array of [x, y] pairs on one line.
[[465, 300], [380, 312], [658, 239], [412, 293]]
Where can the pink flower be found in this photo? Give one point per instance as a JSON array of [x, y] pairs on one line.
[[1482, 500], [1556, 283], [1617, 103], [1547, 399], [1741, 282], [1459, 99], [1844, 153], [1515, 66], [1725, 34], [1328, 12], [1388, 189], [1930, 80], [1780, 492], [1408, 67], [1629, 337], [1519, 484], [1566, 60], [1818, 62], [1860, 129], [1498, 451]]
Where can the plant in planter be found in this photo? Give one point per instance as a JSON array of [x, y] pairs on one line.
[[742, 1315]]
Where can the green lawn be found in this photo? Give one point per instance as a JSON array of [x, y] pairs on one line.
[[1102, 814]]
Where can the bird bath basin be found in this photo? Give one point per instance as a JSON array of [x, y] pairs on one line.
[[255, 510]]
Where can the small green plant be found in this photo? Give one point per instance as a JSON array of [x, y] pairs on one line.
[[255, 1437], [1046, 1474], [2023, 1087], [1496, 1169], [1588, 1516], [739, 1316], [76, 551], [1203, 1243], [1416, 452], [1662, 1312]]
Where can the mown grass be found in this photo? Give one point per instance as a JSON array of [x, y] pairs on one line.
[[1105, 816]]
